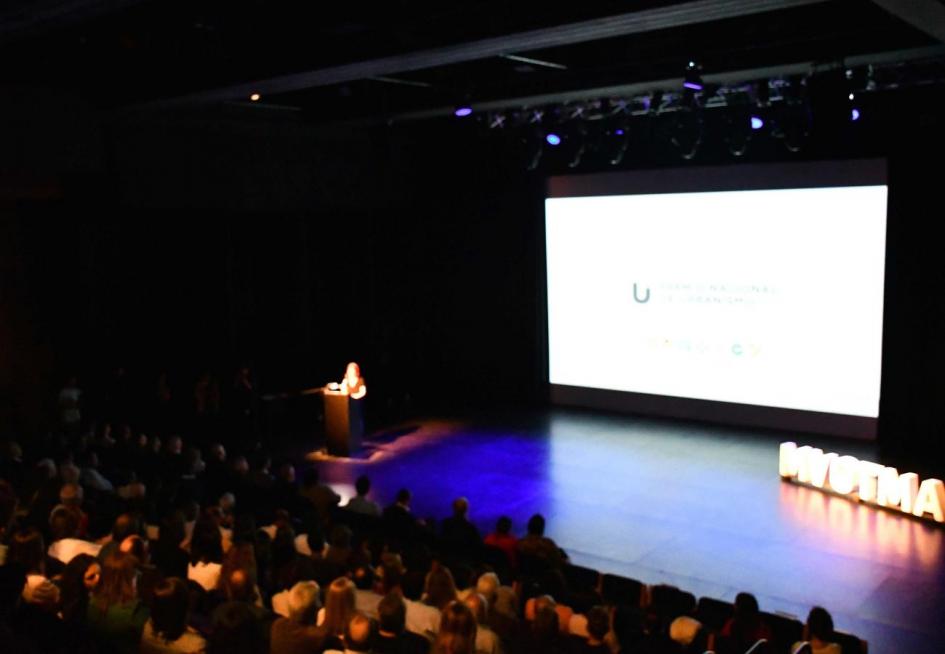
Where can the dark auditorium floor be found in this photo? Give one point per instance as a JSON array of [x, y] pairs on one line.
[[662, 501]]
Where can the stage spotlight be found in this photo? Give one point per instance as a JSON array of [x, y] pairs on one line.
[[553, 139], [619, 141], [687, 133], [463, 111], [693, 80], [254, 97], [855, 114], [757, 122], [740, 127]]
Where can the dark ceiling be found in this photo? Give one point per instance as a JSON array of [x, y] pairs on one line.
[[339, 61]]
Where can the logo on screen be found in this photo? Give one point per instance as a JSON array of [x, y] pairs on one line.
[[636, 294]]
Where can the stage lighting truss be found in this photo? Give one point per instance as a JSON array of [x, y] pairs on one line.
[[599, 129]]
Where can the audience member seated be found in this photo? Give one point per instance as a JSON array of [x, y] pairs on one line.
[[598, 625], [125, 525], [29, 553], [115, 616], [544, 634], [458, 534], [206, 553], [818, 632], [360, 502], [399, 521], [487, 641], [439, 589], [358, 636], [744, 628], [392, 634], [64, 527], [422, 619], [457, 630], [167, 632], [76, 583], [297, 633], [320, 496], [236, 631], [167, 553], [537, 545], [503, 539], [339, 607]]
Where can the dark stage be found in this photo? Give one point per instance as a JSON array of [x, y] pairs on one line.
[[696, 506]]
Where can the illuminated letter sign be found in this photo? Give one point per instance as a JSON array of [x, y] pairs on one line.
[[863, 481]]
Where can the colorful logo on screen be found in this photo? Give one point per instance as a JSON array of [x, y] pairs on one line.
[[700, 347]]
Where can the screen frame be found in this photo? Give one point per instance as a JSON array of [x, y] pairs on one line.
[[742, 177]]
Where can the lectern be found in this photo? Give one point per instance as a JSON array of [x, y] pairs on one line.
[[344, 423]]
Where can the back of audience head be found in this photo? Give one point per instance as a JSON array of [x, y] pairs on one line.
[[340, 537], [392, 614], [503, 525], [536, 525], [820, 625], [479, 606], [457, 633], [391, 572], [362, 485], [488, 585], [440, 588], [71, 495], [118, 584], [403, 497], [206, 543], [746, 609], [339, 605], [238, 573], [126, 524], [304, 602], [136, 547], [460, 507], [63, 524], [169, 608], [236, 631], [598, 622], [546, 626], [359, 633]]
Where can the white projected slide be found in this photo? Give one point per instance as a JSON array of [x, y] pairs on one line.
[[771, 298]]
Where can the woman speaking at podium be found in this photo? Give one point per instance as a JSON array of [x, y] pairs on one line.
[[353, 383]]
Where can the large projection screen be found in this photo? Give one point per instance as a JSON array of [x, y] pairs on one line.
[[742, 294]]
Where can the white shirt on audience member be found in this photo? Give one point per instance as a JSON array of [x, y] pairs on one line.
[[205, 574], [66, 549]]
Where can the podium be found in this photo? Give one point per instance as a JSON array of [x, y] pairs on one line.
[[344, 424]]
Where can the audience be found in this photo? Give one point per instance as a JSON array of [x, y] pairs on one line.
[[153, 550]]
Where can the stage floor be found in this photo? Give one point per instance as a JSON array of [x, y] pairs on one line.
[[697, 506]]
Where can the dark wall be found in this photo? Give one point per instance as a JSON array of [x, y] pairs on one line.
[[200, 241]]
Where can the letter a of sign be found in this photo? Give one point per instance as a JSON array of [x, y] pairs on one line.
[[636, 295]]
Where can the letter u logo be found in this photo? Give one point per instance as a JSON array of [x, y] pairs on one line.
[[636, 295]]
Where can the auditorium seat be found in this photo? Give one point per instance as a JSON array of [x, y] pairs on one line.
[[581, 579], [621, 590], [849, 643], [785, 631], [713, 613], [498, 560], [669, 602]]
